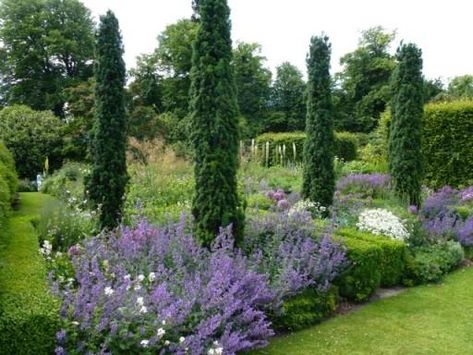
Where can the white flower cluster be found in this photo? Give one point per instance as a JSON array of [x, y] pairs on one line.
[[46, 249], [216, 349], [306, 205], [382, 222]]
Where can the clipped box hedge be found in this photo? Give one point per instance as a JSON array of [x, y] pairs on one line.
[[288, 147], [363, 276], [8, 182], [448, 143], [305, 309], [394, 255]]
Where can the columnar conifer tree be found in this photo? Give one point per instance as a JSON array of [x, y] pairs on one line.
[[215, 133], [108, 179], [319, 176], [407, 107]]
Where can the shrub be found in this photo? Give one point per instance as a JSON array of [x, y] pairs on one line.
[[430, 263], [259, 201], [305, 309], [67, 183], [363, 276], [25, 185], [393, 258], [17, 124], [447, 143], [287, 148], [5, 198]]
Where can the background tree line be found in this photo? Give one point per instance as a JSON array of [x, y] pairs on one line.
[[47, 57]]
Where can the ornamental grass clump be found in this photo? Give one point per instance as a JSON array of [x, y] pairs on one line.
[[382, 222]]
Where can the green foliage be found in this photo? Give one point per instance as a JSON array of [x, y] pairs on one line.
[[363, 276], [253, 82], [407, 107], [215, 133], [429, 263], [67, 183], [259, 201], [394, 253], [345, 146], [319, 176], [31, 136], [447, 143], [108, 179], [8, 170], [29, 315], [461, 87], [48, 45], [287, 100], [65, 225], [364, 82], [307, 308]]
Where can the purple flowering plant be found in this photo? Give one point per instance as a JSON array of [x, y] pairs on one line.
[[154, 290], [369, 185]]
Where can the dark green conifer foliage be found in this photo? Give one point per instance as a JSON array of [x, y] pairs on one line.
[[108, 179], [215, 135], [319, 176], [407, 108]]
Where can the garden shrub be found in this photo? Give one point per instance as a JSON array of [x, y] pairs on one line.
[[393, 257], [429, 263], [5, 198], [361, 279], [259, 201], [31, 150], [447, 143], [287, 148], [305, 309]]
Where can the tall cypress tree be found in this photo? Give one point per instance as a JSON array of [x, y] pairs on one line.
[[319, 176], [215, 135], [407, 108], [108, 179]]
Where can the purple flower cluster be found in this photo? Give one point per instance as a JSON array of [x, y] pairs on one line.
[[440, 218], [439, 203], [465, 233], [280, 199], [283, 247], [148, 289], [157, 289], [366, 183]]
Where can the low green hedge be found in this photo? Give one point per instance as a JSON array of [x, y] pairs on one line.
[[288, 147], [8, 182], [393, 258], [305, 309], [361, 279], [29, 314]]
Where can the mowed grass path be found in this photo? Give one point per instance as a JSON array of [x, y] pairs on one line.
[[432, 319], [28, 312]]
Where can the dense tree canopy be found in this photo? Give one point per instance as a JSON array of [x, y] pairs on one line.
[[253, 83], [288, 99], [46, 46], [363, 85]]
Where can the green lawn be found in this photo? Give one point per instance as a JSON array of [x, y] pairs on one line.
[[28, 312], [433, 319]]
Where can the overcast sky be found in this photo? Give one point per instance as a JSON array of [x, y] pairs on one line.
[[442, 28]]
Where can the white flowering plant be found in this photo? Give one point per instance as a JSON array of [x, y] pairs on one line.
[[302, 206], [382, 222]]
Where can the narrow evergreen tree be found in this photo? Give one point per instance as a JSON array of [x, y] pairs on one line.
[[108, 179], [215, 135], [407, 107], [319, 176]]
